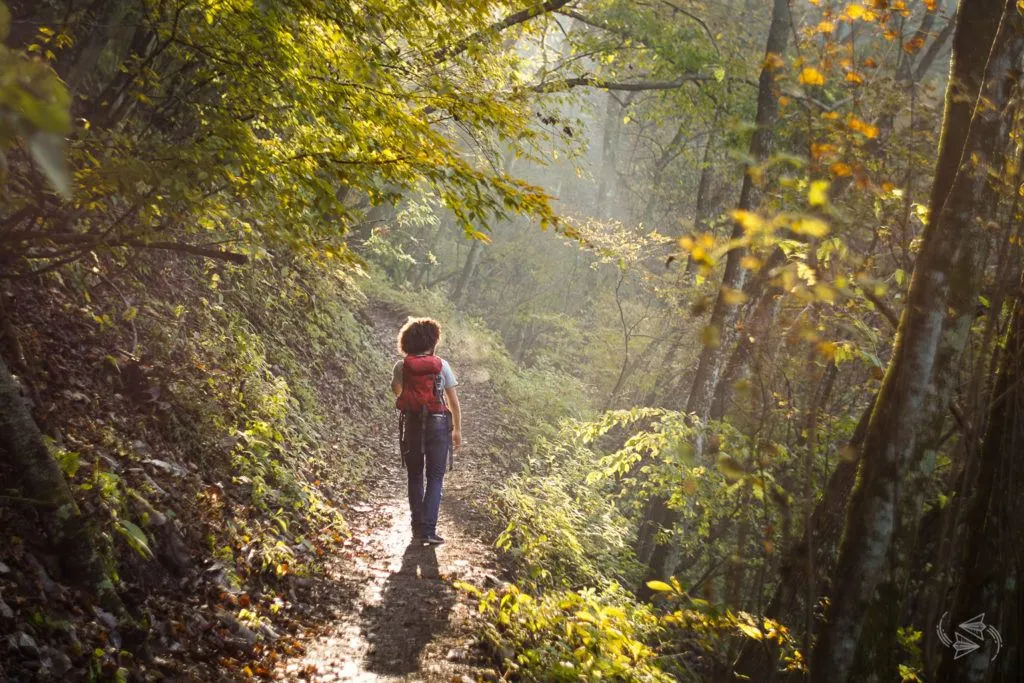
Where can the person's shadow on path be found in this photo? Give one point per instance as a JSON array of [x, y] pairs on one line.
[[413, 609]]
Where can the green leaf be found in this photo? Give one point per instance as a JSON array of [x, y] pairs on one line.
[[135, 537], [69, 462]]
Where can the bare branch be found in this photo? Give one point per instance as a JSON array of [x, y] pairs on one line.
[[591, 81], [206, 252]]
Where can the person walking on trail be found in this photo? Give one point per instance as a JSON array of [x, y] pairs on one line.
[[430, 423]]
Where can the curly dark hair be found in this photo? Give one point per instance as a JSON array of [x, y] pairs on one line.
[[419, 335]]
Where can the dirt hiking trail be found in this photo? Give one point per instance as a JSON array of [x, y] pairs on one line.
[[389, 608]]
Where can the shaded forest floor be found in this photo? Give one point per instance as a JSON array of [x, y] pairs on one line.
[[387, 608], [371, 605]]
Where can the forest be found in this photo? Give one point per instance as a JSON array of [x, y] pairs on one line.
[[733, 289]]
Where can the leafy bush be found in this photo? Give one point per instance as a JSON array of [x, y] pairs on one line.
[[572, 636], [571, 518], [589, 634], [562, 530]]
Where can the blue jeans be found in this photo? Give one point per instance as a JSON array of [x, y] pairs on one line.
[[431, 457]]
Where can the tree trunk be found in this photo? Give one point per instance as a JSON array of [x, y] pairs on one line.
[[961, 189], [702, 210], [723, 315], [22, 445], [757, 658], [462, 286], [609, 146], [755, 332]]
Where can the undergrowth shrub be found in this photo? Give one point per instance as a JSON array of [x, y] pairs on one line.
[[560, 529], [261, 380], [600, 635], [571, 517], [590, 634]]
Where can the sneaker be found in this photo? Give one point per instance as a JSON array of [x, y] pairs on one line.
[[433, 539]]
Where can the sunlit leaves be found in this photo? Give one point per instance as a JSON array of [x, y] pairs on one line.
[[338, 113], [659, 586], [750, 631], [866, 129], [810, 226], [733, 297], [748, 220], [817, 195], [811, 76], [773, 62], [135, 537], [859, 12], [711, 336]]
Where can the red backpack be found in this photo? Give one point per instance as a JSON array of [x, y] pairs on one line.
[[421, 385]]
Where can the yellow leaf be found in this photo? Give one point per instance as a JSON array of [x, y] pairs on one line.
[[733, 297], [750, 221], [710, 337], [772, 61], [825, 293], [750, 631], [821, 149], [750, 262], [866, 129], [811, 76], [818, 194], [812, 227], [840, 169], [913, 45], [659, 586]]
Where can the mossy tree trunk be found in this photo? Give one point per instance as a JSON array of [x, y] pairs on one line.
[[908, 394], [43, 482]]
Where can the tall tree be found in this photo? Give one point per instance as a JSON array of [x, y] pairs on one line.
[[962, 187], [723, 315]]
